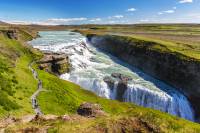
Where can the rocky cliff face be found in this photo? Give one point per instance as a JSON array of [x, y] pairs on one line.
[[173, 68], [54, 63]]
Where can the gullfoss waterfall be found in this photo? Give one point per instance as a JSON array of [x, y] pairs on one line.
[[111, 78]]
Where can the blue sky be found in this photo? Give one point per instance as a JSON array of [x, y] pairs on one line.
[[99, 11]]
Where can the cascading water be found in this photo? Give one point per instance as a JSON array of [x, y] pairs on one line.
[[90, 67]]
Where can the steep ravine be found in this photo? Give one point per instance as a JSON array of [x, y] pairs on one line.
[[173, 68]]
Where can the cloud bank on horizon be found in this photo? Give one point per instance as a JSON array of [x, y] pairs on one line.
[[62, 12]]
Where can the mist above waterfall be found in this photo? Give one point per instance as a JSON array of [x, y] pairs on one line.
[[90, 67]]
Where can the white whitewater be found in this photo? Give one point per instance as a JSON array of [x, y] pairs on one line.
[[90, 66]]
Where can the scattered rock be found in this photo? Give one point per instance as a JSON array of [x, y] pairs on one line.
[[90, 110], [66, 118], [54, 63]]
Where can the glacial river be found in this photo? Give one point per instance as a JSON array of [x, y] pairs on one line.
[[89, 67]]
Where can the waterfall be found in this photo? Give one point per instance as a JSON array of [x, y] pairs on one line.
[[90, 67], [175, 104]]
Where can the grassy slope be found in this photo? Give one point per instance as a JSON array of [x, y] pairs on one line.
[[62, 97], [16, 81], [15, 57]]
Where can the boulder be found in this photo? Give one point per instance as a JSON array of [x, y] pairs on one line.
[[90, 110], [65, 118]]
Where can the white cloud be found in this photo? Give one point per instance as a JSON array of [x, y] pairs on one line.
[[169, 11], [19, 22], [52, 21], [118, 16], [95, 19], [185, 1], [64, 20], [131, 10]]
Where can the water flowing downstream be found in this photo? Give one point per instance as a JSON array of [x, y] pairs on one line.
[[109, 77]]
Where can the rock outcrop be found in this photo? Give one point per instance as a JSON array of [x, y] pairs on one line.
[[110, 82], [90, 110], [54, 63], [121, 82], [173, 68], [11, 34]]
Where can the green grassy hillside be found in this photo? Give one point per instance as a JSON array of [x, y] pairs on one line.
[[15, 93], [61, 97]]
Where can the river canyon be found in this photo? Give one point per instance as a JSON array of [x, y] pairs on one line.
[[109, 77]]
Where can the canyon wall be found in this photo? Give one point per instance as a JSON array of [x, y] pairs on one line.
[[173, 68]]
